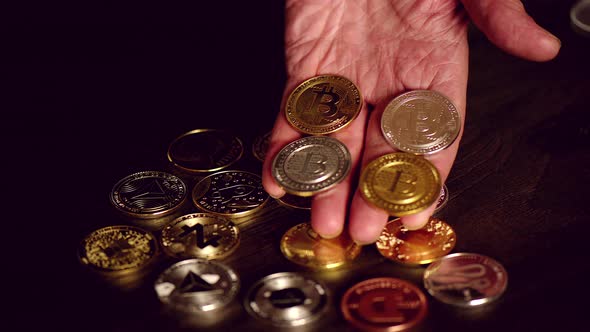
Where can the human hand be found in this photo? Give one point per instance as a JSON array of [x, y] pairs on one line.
[[387, 47]]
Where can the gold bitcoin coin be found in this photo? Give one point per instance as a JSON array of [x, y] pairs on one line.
[[400, 183], [118, 249], [201, 235], [303, 246], [420, 246], [323, 104]]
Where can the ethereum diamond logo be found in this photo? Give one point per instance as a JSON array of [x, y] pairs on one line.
[[151, 191], [193, 283]]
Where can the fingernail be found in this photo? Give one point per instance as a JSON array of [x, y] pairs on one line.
[[330, 236]]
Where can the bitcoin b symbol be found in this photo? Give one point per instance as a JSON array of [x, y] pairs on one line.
[[315, 163], [404, 183], [326, 102]]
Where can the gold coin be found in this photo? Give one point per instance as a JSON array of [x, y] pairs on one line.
[[400, 183], [420, 246], [201, 235], [303, 246], [323, 104], [118, 249]]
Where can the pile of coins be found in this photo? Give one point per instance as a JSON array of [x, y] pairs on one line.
[[197, 283]]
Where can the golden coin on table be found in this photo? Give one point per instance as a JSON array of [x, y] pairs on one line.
[[301, 245], [420, 246], [420, 122], [400, 183], [201, 235], [323, 105]]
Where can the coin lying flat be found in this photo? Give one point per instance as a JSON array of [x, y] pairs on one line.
[[260, 146], [148, 194], [420, 246], [301, 245], [197, 285], [205, 150], [287, 299], [465, 279], [420, 122], [384, 304], [443, 198], [400, 183], [294, 201], [323, 104], [202, 235], [230, 193], [311, 165], [118, 249]]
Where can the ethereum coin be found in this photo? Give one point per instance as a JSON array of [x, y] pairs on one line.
[[297, 202], [303, 246], [260, 146], [148, 194], [420, 246], [202, 235], [205, 150], [443, 198], [465, 279], [230, 193], [323, 104], [421, 122], [400, 183], [311, 165], [197, 285], [118, 249], [384, 304], [287, 299]]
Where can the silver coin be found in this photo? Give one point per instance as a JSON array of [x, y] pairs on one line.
[[197, 285], [420, 122], [230, 193], [148, 194], [311, 165], [287, 299], [465, 279], [443, 198]]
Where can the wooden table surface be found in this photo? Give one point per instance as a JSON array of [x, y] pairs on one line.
[[118, 90]]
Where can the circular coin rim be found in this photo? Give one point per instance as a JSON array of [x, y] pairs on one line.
[[281, 201], [256, 145], [445, 200], [197, 131], [292, 99]]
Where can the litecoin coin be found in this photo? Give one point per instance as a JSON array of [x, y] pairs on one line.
[[148, 194], [323, 104], [420, 246], [287, 299], [118, 249], [294, 201], [260, 146], [230, 193], [197, 285], [465, 279], [400, 183], [421, 122], [443, 198], [384, 304], [202, 235], [205, 150], [303, 246], [311, 165]]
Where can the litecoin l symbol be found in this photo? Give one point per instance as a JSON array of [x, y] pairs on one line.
[[327, 108], [200, 233]]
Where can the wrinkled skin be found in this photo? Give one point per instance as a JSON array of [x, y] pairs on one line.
[[387, 47]]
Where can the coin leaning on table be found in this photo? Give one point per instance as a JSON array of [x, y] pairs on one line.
[[311, 165]]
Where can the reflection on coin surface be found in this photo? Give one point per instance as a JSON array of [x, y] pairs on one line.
[[260, 146], [420, 122], [230, 193], [205, 150], [384, 304], [323, 104], [148, 194], [301, 245], [311, 165], [296, 202], [465, 279], [118, 249], [443, 198], [202, 235], [400, 183], [287, 299], [420, 246], [197, 285]]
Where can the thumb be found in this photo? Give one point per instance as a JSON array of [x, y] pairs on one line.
[[508, 26]]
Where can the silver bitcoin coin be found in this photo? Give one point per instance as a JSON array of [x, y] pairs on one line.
[[420, 122], [287, 299], [148, 194], [311, 165], [197, 285]]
